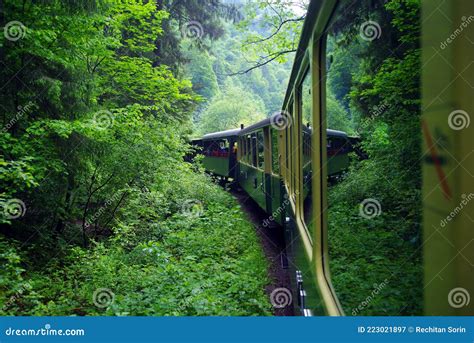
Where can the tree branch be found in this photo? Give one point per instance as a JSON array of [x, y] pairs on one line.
[[261, 64], [276, 30]]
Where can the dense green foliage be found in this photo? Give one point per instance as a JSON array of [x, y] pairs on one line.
[[382, 253], [161, 261], [95, 126], [231, 99]]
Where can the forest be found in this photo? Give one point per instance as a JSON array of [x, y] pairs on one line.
[[101, 212], [98, 99]]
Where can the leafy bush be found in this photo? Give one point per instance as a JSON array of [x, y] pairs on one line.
[[162, 261]]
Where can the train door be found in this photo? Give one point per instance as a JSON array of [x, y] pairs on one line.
[[233, 157]]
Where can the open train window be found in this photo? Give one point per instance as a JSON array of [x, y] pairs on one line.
[[292, 158], [305, 108], [287, 144], [261, 150], [253, 144], [248, 156], [373, 205], [275, 157]]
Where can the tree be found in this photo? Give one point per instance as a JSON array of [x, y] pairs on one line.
[[198, 20], [273, 30], [229, 109]]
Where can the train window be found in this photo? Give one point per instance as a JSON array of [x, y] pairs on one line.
[[287, 159], [288, 145], [292, 159], [261, 149], [253, 143], [307, 118], [248, 158], [275, 157], [373, 188]]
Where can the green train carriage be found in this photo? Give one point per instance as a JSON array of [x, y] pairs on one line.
[[219, 150]]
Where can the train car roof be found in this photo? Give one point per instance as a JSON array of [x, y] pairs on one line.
[[220, 134], [336, 133], [268, 121], [260, 124]]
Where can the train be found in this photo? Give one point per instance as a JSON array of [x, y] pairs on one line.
[[286, 162]]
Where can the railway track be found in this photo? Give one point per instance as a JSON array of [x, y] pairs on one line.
[[272, 239]]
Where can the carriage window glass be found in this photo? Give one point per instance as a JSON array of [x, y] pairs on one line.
[[288, 145], [261, 150], [275, 157], [248, 158], [291, 156], [306, 127], [373, 214], [253, 143]]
